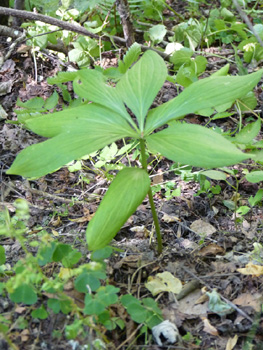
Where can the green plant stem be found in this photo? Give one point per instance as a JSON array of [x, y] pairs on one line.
[[150, 196], [176, 13]]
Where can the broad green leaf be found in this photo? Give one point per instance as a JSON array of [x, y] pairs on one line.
[[2, 255], [80, 56], [139, 86], [129, 58], [195, 145], [205, 93], [36, 103], [137, 312], [125, 193], [63, 77], [61, 251], [214, 174], [243, 210], [248, 133], [92, 118], [47, 157], [256, 199], [128, 299], [93, 306], [40, 313], [52, 101], [255, 176], [24, 294], [85, 281], [186, 76], [229, 204], [76, 137], [101, 254], [54, 305], [222, 71], [108, 295], [180, 57], [157, 32], [45, 253], [71, 259], [90, 84], [248, 102]]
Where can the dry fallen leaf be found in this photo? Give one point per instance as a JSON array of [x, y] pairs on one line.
[[251, 269], [211, 249], [56, 221], [208, 328], [24, 335], [163, 282], [82, 219], [141, 231], [202, 228], [170, 218], [231, 343], [254, 300], [20, 309], [188, 306], [132, 261], [157, 179]]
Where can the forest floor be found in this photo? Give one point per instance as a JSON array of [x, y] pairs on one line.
[[204, 243]]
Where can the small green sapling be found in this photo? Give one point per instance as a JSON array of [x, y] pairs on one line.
[[76, 132]]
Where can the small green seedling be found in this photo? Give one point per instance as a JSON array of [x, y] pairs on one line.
[[76, 132]]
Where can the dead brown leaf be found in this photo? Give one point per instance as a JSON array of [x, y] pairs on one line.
[[130, 261], [211, 249], [157, 179], [20, 309], [189, 307], [202, 228], [254, 300], [208, 328], [24, 335], [251, 269], [170, 218], [231, 343]]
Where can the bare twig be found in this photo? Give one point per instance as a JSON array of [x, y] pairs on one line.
[[62, 24], [14, 33], [67, 26]]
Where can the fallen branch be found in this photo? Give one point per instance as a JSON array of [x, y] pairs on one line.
[[62, 24], [16, 34]]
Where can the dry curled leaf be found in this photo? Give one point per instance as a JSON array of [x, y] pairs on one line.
[[208, 328]]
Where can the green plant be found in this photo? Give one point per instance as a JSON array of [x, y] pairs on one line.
[[76, 132], [45, 295]]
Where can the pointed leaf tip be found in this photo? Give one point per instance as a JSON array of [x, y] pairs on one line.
[[124, 195]]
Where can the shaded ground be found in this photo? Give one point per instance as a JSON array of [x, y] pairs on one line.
[[210, 260]]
